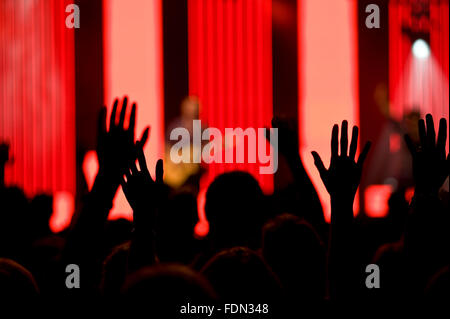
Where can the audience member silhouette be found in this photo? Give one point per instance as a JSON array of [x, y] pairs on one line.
[[175, 241], [162, 290], [16, 282], [241, 275], [294, 251], [235, 210]]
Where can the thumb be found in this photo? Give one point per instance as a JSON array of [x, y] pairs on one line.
[[159, 171], [319, 164]]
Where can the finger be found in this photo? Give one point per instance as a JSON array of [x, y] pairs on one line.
[[102, 122], [431, 134], [410, 144], [144, 137], [112, 119], [363, 155], [334, 141], [123, 183], [133, 168], [319, 164], [422, 134], [127, 174], [159, 171], [442, 135], [132, 121], [344, 138], [354, 142], [141, 159], [122, 112]]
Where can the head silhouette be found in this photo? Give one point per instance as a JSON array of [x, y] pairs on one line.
[[14, 222], [234, 208], [240, 275], [16, 282], [41, 209], [295, 253], [165, 288]]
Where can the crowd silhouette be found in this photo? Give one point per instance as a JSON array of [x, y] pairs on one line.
[[275, 250]]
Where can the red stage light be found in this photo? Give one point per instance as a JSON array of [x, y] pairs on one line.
[[376, 199]]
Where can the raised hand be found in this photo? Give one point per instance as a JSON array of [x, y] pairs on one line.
[[343, 176], [430, 165], [141, 191], [116, 146], [342, 179]]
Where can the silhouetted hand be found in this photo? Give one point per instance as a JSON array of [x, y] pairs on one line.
[[140, 190], [343, 176], [430, 165], [342, 179], [4, 157], [116, 147]]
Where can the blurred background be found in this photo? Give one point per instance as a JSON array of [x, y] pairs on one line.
[[230, 63]]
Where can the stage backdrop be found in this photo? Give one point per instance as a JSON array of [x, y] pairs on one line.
[[37, 105]]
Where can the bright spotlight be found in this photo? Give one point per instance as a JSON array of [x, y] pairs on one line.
[[421, 49]]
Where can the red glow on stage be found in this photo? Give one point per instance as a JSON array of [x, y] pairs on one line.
[[90, 168], [63, 207], [230, 71], [133, 66], [202, 227], [409, 194], [37, 104], [395, 141], [376, 199]]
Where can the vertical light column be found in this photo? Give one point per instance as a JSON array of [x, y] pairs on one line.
[[133, 67], [329, 71]]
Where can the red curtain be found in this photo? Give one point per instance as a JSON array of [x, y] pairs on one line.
[[230, 70], [37, 96]]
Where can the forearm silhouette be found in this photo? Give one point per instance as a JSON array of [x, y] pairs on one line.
[[426, 238], [288, 146], [116, 149], [341, 180], [145, 196]]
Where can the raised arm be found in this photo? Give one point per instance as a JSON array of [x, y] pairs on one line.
[[426, 235], [115, 150], [289, 147], [145, 196], [430, 164], [341, 180]]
